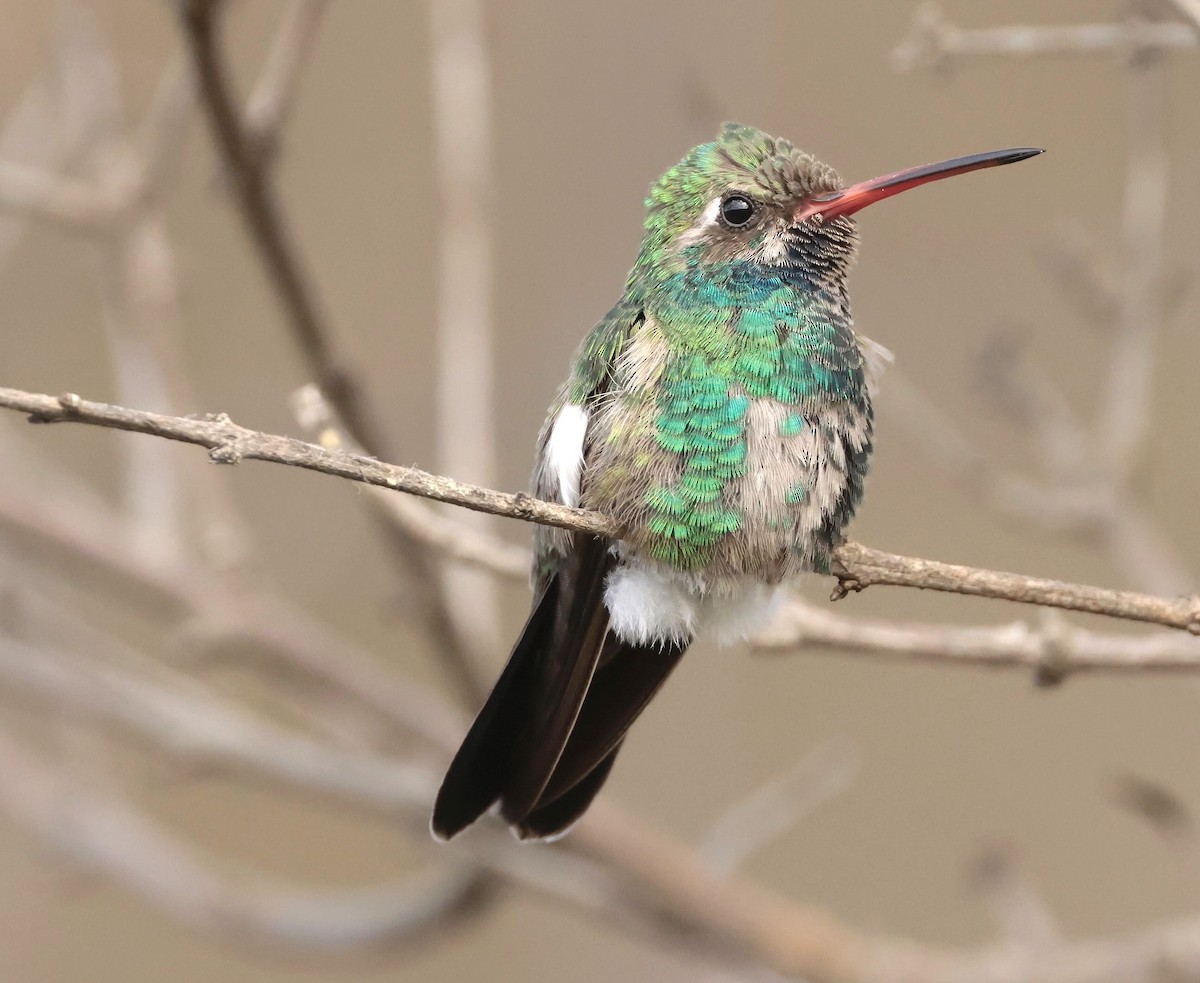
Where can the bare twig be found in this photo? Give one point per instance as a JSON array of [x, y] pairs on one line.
[[807, 943], [474, 547], [275, 92], [249, 177], [160, 136], [933, 41], [1122, 426], [249, 172], [861, 567], [1191, 10], [99, 831], [65, 201], [1090, 466], [214, 611], [58, 118], [1072, 259], [856, 566], [1021, 912], [464, 421], [780, 804], [1156, 804], [1065, 508], [1053, 651], [611, 865]]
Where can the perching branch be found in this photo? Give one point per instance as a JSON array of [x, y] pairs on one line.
[[856, 566]]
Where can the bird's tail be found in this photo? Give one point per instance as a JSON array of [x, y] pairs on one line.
[[545, 740]]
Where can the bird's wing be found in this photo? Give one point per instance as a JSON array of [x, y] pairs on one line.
[[511, 750]]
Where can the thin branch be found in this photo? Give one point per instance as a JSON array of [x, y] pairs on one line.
[[1053, 651], [933, 41], [807, 943], [74, 204], [212, 610], [1089, 467], [275, 92], [1191, 10], [862, 567], [743, 828], [1128, 403], [249, 177], [249, 172], [465, 408], [1072, 259], [184, 718], [99, 831], [160, 137], [1022, 914], [479, 548], [1069, 508], [611, 865], [856, 566]]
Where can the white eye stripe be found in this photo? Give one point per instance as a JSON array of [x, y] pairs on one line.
[[710, 217], [711, 214], [564, 452]]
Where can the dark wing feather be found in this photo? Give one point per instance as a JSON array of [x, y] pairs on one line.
[[546, 739]]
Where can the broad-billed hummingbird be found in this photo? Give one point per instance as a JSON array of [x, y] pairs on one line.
[[720, 415]]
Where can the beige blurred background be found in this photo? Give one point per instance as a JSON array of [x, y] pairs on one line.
[[589, 104]]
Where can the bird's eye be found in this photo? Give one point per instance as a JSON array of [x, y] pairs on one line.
[[737, 211]]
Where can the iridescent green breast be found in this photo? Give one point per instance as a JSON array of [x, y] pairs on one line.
[[736, 333]]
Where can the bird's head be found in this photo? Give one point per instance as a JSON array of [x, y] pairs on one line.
[[753, 197]]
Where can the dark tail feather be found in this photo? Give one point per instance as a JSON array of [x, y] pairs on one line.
[[551, 819], [628, 678], [515, 742], [545, 741], [480, 768], [568, 660], [625, 682]]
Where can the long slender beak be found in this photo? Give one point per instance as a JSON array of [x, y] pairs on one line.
[[857, 196]]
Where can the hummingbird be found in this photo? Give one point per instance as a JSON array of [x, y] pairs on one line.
[[720, 414]]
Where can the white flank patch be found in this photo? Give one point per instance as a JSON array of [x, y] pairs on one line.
[[648, 607], [564, 452]]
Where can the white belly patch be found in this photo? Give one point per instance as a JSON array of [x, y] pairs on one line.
[[647, 605]]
